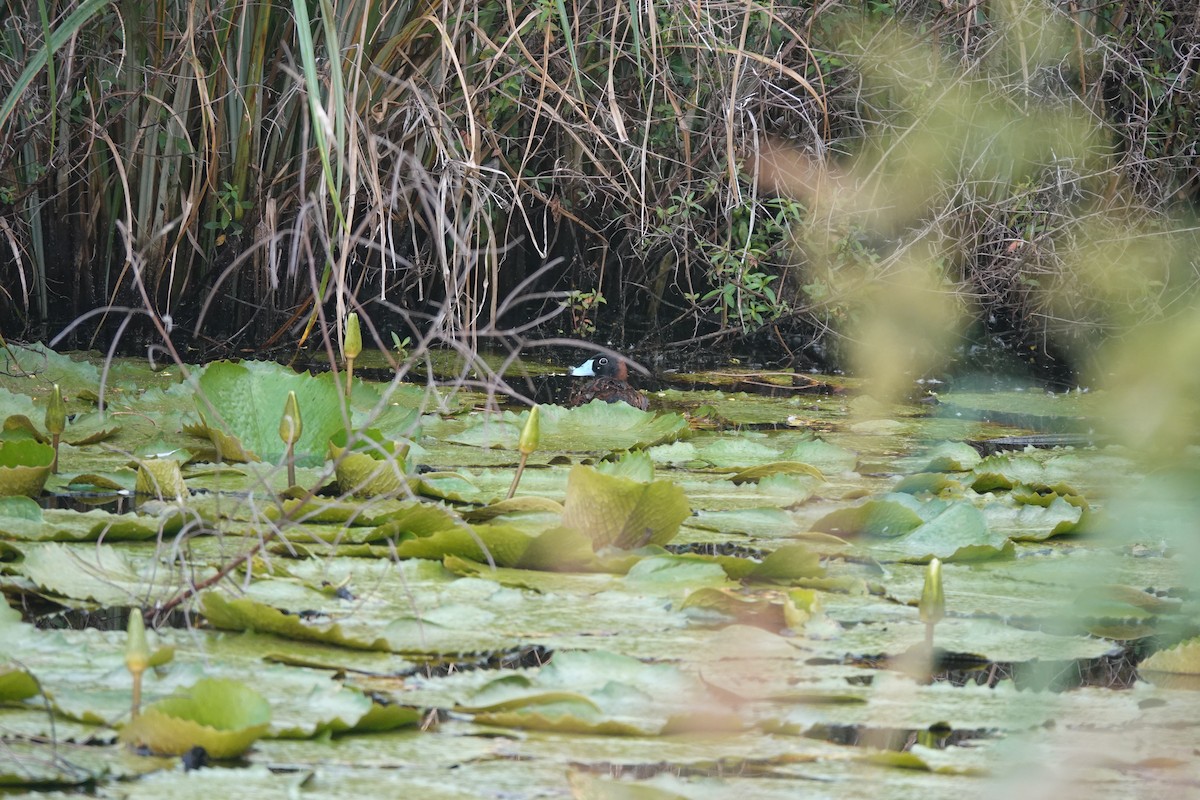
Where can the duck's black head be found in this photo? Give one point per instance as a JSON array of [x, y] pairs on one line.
[[602, 367]]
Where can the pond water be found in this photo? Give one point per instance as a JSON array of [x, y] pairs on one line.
[[731, 592]]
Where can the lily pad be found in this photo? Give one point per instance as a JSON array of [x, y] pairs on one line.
[[99, 573], [1036, 410], [246, 401], [621, 512], [82, 429], [24, 467], [599, 692], [959, 533], [90, 428], [496, 544], [595, 427], [635, 465], [727, 452], [742, 408], [778, 491], [893, 516], [787, 564], [1183, 659], [223, 716], [669, 574], [927, 483], [950, 457], [1023, 522], [1007, 472], [746, 450], [828, 458], [32, 524], [361, 475], [776, 468], [251, 615], [16, 683], [161, 478], [525, 504]]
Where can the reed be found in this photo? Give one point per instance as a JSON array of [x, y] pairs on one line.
[[259, 171]]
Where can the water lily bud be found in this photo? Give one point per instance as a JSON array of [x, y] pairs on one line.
[[352, 344], [56, 413], [933, 601], [137, 649], [531, 433], [291, 426]]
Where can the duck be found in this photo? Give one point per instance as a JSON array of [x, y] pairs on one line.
[[610, 383]]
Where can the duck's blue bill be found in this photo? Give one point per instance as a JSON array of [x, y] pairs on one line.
[[586, 369]]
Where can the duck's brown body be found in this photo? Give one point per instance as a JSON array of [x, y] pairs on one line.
[[610, 383]]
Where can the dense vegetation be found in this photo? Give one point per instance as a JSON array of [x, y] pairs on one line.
[[476, 168], [735, 592]]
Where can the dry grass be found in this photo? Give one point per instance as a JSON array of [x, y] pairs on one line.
[[240, 176]]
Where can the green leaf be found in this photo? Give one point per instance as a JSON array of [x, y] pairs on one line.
[[363, 476], [95, 573], [1183, 659], [24, 467], [20, 507], [247, 397], [959, 533], [1008, 472], [90, 429], [894, 516], [635, 465], [1035, 523], [72, 526], [161, 478], [927, 483], [16, 683], [828, 458], [499, 544], [620, 512], [776, 468], [950, 457], [595, 427], [595, 692], [18, 411], [788, 564], [670, 574], [223, 716], [244, 614]]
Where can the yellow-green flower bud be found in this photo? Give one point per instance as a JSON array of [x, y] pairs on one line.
[[137, 649], [933, 601], [531, 433], [352, 344], [56, 413], [291, 426]]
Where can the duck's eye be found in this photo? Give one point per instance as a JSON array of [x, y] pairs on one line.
[[602, 360]]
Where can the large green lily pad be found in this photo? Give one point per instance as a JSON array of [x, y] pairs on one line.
[[621, 512], [245, 401], [595, 427], [601, 693], [224, 717], [24, 466]]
